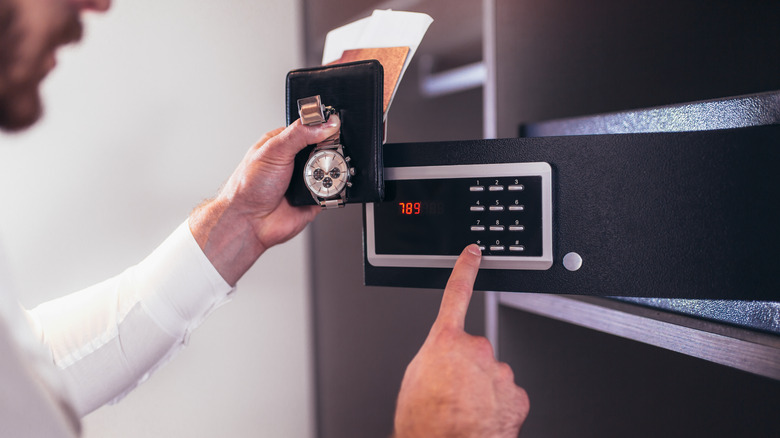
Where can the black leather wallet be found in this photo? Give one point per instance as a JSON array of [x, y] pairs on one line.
[[355, 91]]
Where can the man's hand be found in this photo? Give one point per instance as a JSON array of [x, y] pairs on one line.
[[250, 214], [454, 387]]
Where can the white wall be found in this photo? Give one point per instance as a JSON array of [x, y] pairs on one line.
[[146, 118]]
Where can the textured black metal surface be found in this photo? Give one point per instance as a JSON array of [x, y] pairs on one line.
[[734, 112], [676, 215]]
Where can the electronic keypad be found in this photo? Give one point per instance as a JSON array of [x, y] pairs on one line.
[[432, 212]]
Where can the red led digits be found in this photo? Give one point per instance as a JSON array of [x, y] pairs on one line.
[[410, 207]]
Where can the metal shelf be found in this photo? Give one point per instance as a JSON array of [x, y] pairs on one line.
[[450, 81], [736, 347]]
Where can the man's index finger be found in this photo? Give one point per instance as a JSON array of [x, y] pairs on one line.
[[457, 294]]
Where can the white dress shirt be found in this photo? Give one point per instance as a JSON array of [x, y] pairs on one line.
[[108, 338]]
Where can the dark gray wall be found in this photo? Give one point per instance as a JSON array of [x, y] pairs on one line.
[[563, 58], [556, 59], [366, 336]]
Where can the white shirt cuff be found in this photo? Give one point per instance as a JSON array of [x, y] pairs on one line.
[[179, 286]]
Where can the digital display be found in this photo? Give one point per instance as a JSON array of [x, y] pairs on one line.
[[410, 207], [425, 208]]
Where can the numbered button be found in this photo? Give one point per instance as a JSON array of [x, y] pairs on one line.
[[496, 188], [516, 248], [497, 247], [496, 208], [477, 228], [516, 228], [476, 188], [477, 208], [496, 228], [517, 208], [516, 188]]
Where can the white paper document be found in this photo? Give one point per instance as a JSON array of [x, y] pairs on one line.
[[381, 29]]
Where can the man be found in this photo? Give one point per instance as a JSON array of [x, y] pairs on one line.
[[108, 338]]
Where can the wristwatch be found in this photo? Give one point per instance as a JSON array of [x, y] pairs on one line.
[[327, 172]]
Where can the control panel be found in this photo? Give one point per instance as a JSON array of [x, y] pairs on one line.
[[431, 213]]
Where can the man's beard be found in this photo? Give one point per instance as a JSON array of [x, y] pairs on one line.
[[20, 102], [20, 108]]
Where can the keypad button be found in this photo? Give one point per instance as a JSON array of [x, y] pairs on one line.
[[516, 228], [516, 248], [496, 208], [496, 247], [477, 228], [477, 188], [516, 208], [496, 188], [516, 188], [481, 247], [477, 208], [496, 228]]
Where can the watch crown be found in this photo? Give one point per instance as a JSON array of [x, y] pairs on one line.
[[349, 184], [347, 159], [351, 171]]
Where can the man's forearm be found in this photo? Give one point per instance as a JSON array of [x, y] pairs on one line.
[[109, 337], [226, 237]]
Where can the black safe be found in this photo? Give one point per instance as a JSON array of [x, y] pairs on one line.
[[689, 214]]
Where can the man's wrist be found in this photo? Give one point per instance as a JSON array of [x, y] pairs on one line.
[[227, 238]]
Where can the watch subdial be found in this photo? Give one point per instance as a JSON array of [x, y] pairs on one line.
[[326, 173]]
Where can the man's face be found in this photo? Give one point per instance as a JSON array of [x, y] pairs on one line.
[[30, 33]]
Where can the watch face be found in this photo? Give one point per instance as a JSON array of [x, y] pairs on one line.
[[326, 173]]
